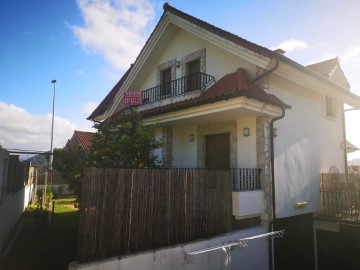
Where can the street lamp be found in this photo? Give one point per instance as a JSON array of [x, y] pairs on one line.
[[52, 127]]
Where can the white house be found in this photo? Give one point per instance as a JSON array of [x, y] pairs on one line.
[[223, 102]]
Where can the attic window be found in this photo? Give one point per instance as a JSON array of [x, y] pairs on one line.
[[330, 107]]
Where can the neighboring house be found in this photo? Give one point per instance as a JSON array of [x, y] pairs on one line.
[[220, 101], [80, 140], [351, 148]]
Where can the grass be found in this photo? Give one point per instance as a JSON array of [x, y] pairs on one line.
[[40, 246]]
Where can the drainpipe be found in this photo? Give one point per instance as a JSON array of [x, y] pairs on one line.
[[267, 72], [271, 223], [273, 219]]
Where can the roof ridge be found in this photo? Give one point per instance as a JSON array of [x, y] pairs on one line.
[[221, 32]]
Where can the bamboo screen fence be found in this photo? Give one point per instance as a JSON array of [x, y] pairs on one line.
[[340, 199], [125, 211]]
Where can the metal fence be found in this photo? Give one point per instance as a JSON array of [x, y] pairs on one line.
[[340, 197], [246, 179]]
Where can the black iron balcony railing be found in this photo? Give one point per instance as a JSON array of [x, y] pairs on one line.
[[178, 87], [246, 179]]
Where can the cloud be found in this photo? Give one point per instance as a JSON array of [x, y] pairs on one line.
[[115, 29], [19, 129], [89, 107], [291, 45]]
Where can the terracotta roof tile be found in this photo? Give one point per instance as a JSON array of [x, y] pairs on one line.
[[84, 138], [231, 85]]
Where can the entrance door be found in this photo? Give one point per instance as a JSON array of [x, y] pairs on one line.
[[217, 151]]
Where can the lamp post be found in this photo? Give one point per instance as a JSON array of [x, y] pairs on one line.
[[52, 128]]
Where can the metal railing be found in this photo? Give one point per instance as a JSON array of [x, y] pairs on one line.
[[340, 197], [246, 179], [178, 87]]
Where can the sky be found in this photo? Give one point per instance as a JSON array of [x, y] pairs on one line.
[[87, 45]]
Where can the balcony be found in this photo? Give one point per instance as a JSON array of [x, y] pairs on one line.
[[178, 87]]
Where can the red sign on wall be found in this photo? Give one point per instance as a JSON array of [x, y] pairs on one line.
[[133, 98]]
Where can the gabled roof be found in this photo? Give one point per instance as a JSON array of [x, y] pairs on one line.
[[232, 38], [232, 85], [327, 69], [220, 32], [108, 100], [84, 138], [350, 147]]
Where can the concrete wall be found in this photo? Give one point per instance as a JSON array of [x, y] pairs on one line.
[[11, 208], [255, 256]]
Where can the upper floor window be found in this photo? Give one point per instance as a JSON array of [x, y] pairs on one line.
[[330, 108]]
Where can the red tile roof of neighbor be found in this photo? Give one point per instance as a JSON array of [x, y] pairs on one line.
[[84, 138], [232, 85]]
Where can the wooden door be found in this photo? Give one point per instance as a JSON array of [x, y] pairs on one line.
[[217, 151]]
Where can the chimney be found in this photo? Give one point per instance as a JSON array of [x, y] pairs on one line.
[[280, 51]]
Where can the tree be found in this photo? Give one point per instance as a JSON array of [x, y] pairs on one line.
[[71, 165], [124, 142]]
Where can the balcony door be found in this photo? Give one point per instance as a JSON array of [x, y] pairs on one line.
[[217, 154], [165, 87], [193, 75]]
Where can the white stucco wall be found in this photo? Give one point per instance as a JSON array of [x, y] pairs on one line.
[[246, 153], [218, 61], [307, 144], [254, 257], [184, 150]]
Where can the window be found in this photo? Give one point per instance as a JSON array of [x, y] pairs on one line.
[[330, 107], [165, 86]]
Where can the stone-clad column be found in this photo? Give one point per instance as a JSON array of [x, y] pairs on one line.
[[264, 160], [167, 136]]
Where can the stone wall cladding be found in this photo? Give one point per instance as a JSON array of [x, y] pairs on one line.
[[201, 54], [263, 148], [169, 64], [167, 136]]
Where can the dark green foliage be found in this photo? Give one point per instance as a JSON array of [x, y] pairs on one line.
[[124, 143], [71, 165]]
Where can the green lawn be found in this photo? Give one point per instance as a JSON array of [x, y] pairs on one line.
[[40, 246]]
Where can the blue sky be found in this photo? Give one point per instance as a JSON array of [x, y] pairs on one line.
[[87, 45]]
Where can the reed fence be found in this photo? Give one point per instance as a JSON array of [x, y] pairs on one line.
[[125, 211], [340, 197]]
